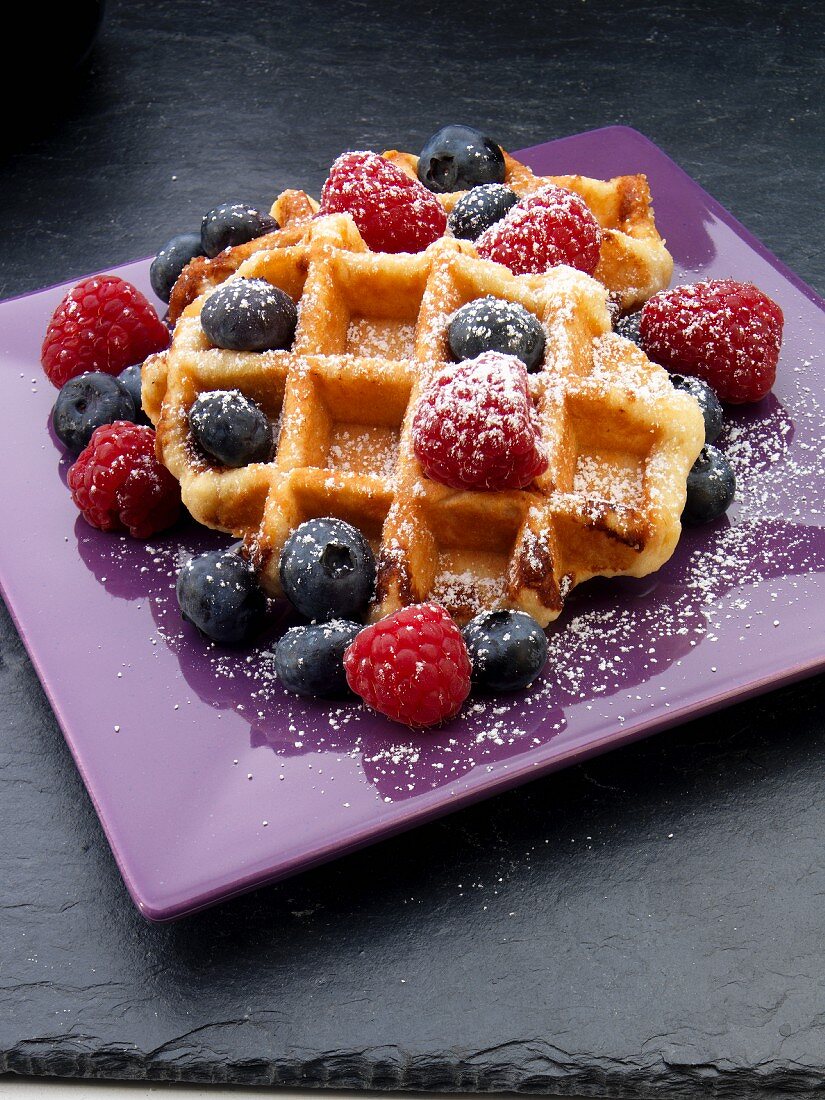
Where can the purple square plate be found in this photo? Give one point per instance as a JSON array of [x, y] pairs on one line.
[[209, 779]]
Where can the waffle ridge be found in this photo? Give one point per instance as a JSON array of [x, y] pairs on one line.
[[372, 331], [633, 263]]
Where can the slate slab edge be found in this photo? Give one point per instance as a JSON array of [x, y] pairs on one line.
[[536, 1068]]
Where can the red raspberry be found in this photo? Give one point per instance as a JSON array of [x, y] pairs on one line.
[[412, 666], [104, 323], [726, 333], [393, 211], [118, 484], [475, 426], [552, 226]]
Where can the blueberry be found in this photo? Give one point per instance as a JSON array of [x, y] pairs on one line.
[[86, 402], [459, 157], [309, 660], [233, 223], [327, 570], [708, 402], [249, 315], [493, 324], [131, 379], [710, 487], [171, 260], [628, 326], [507, 649], [479, 209], [219, 593], [230, 428]]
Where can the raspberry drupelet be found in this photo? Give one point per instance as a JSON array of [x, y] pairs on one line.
[[550, 227], [393, 211], [475, 426], [412, 666], [103, 324], [727, 333], [119, 485]]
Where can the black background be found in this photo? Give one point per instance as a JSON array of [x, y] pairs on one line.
[[557, 938]]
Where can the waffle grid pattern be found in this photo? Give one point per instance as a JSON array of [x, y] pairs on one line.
[[371, 333]]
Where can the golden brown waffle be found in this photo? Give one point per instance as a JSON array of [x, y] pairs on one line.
[[371, 333], [293, 211], [633, 263]]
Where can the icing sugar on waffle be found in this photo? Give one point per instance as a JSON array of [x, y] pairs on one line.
[[371, 333], [633, 262]]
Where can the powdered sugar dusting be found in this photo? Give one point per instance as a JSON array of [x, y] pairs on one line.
[[382, 337], [620, 480]]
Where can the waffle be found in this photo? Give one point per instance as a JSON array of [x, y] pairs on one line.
[[293, 211], [371, 333], [633, 263]]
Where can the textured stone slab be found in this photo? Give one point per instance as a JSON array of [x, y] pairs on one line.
[[647, 925]]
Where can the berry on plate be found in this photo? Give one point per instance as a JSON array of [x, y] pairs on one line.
[[628, 326], [132, 379], [218, 592], [479, 209], [393, 212], [327, 569], [309, 660], [708, 403], [249, 315], [458, 157], [412, 666], [171, 260], [552, 226], [86, 402], [711, 485], [119, 485], [104, 323], [230, 428], [508, 649], [233, 223], [727, 333], [475, 426], [493, 324]]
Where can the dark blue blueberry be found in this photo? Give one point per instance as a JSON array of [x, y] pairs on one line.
[[86, 402], [327, 570], [493, 324], [459, 157], [508, 649], [628, 326], [230, 428], [131, 379], [171, 260], [249, 315], [479, 209], [233, 223], [708, 402], [711, 485], [309, 660], [219, 593]]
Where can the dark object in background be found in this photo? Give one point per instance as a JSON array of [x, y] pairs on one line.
[[64, 34], [60, 38]]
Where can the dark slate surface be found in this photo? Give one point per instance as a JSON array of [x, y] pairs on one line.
[[649, 924]]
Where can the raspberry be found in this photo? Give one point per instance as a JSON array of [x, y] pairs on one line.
[[118, 484], [412, 666], [475, 426], [393, 211], [552, 226], [105, 324], [724, 332]]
